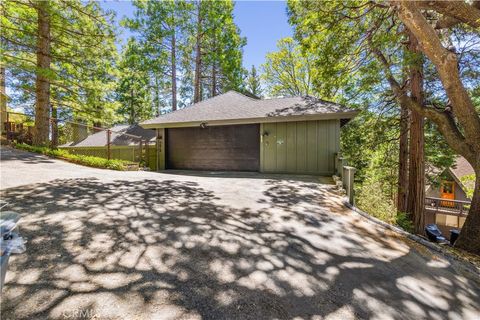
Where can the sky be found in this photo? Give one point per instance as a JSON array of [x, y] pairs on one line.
[[263, 23]]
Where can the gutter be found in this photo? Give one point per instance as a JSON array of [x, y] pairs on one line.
[[324, 116]]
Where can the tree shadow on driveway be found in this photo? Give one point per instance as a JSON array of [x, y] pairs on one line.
[[149, 248], [10, 154]]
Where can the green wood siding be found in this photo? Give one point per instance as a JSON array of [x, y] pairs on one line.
[[160, 149], [304, 147]]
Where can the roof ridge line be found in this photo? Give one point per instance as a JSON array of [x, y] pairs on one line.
[[241, 94]]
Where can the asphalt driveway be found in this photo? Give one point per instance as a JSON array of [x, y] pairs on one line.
[[142, 245]]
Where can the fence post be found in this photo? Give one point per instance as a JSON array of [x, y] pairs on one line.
[[147, 154], [7, 126], [141, 150], [109, 135], [350, 172], [341, 170], [54, 124], [158, 145], [336, 163]]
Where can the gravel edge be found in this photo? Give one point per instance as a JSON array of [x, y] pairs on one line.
[[459, 262]]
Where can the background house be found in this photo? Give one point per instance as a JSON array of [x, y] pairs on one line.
[[127, 142], [447, 203], [121, 135], [233, 132], [452, 185]]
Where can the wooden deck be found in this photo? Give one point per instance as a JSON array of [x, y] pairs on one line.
[[450, 207], [446, 214]]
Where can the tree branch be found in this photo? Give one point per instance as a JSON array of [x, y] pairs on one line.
[[454, 12], [446, 64], [444, 121]]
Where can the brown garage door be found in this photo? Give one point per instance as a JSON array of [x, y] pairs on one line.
[[229, 148]]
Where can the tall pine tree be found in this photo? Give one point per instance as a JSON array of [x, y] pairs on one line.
[[133, 85], [62, 54], [252, 82]]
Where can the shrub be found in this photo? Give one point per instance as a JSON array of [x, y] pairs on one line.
[[90, 161], [373, 201], [404, 222]]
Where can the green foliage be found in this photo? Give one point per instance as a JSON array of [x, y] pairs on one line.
[[162, 31], [221, 47], [287, 71], [252, 83], [371, 199], [469, 183], [168, 32], [83, 56], [89, 161], [438, 155], [404, 222], [133, 85], [370, 142]]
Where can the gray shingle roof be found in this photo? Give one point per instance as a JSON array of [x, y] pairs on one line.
[[460, 169], [118, 137], [235, 106]]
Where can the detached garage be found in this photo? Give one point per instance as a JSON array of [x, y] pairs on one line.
[[233, 132]]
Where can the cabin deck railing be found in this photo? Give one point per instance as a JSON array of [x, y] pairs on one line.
[[445, 206]]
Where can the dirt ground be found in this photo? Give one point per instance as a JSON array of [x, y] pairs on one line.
[[179, 245]]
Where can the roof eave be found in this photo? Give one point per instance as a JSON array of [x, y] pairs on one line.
[[321, 116]]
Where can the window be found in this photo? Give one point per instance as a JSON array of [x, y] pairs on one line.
[[447, 187]]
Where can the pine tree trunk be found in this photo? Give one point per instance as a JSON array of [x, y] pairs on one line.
[[2, 83], [3, 92], [416, 189], [214, 70], [157, 97], [403, 161], [174, 72], [197, 96], [132, 108], [469, 238], [42, 83], [214, 80], [3, 100], [54, 124]]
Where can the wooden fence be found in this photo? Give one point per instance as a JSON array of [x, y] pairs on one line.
[[446, 206]]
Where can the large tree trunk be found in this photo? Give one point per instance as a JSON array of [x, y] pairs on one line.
[[416, 183], [42, 83], [470, 235], [403, 161], [174, 71], [416, 180], [197, 96]]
